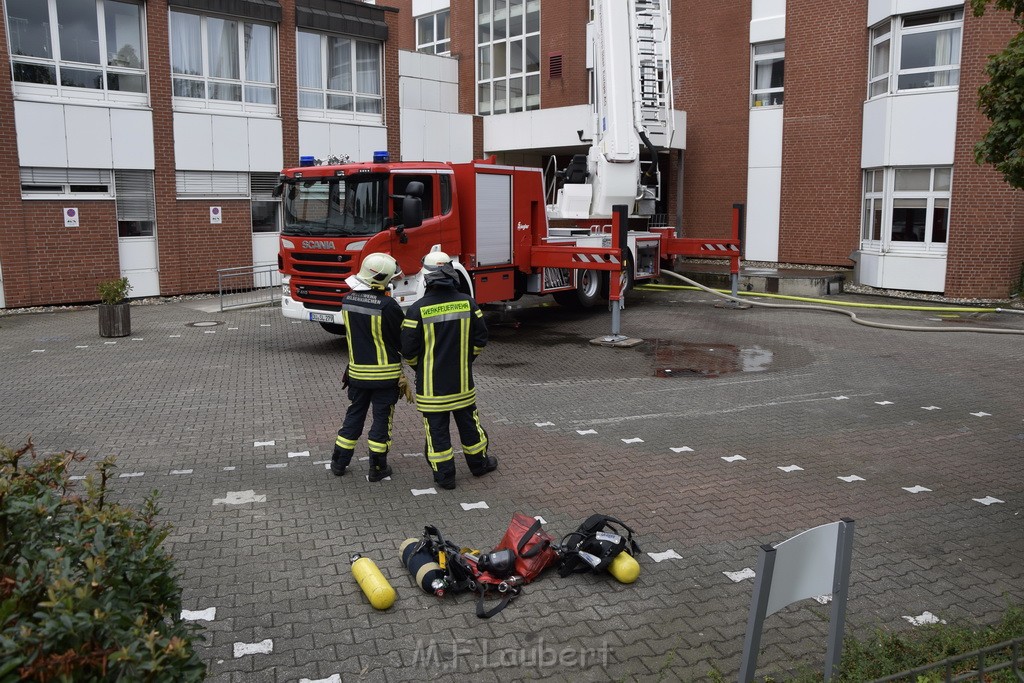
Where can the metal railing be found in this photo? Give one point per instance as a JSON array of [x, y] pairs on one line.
[[248, 286], [1007, 656]]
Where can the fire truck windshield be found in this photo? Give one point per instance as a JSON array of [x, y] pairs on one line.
[[335, 207]]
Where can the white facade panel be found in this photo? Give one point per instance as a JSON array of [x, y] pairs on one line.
[[555, 127], [87, 130], [879, 10], [131, 139], [460, 127], [345, 140], [314, 139], [764, 190], [430, 95], [769, 28], [41, 140], [918, 273], [413, 133], [409, 90], [763, 9], [875, 133], [371, 139], [765, 140], [408, 63], [420, 7], [436, 140], [266, 145], [193, 141], [230, 143], [923, 129], [449, 93]]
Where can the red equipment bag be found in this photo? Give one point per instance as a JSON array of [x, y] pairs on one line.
[[534, 548]]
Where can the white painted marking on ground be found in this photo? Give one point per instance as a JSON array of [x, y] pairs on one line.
[[915, 489], [823, 599], [682, 449], [297, 322], [228, 469], [635, 439], [264, 647], [110, 343], [583, 432], [667, 555], [987, 500], [981, 414], [930, 408], [732, 458], [125, 475], [540, 519], [264, 324], [82, 347], [368, 477], [208, 614], [924, 618], [412, 455], [327, 465], [792, 468], [365, 457], [77, 477], [741, 575], [423, 492], [852, 478], [885, 403], [298, 454], [840, 398], [209, 331], [257, 444], [277, 465], [232, 328], [174, 336], [240, 498], [333, 678], [321, 462], [181, 471], [482, 505], [544, 424], [137, 339], [38, 350]]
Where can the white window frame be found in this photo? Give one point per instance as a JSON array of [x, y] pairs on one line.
[[26, 90], [437, 46], [766, 97], [206, 103], [136, 200], [261, 189], [324, 93], [885, 195], [887, 81], [61, 183], [528, 81]]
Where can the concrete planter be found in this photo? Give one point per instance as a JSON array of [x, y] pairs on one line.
[[115, 320]]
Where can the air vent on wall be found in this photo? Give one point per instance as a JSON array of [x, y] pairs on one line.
[[555, 65]]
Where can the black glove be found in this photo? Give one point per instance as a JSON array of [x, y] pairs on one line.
[[344, 379]]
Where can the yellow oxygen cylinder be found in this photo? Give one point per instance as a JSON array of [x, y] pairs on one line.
[[373, 584], [624, 568]]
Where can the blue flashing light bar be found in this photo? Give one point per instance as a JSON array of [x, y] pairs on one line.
[[381, 157], [307, 161]]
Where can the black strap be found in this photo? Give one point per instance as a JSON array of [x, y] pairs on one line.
[[482, 611], [536, 549]]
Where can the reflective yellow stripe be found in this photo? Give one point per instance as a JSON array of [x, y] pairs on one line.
[[464, 355], [411, 323], [482, 445], [441, 457], [377, 332], [348, 337], [479, 313], [445, 308], [428, 360], [437, 404], [377, 446], [342, 442]]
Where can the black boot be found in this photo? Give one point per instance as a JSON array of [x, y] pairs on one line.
[[379, 468], [488, 464], [339, 461], [444, 475]]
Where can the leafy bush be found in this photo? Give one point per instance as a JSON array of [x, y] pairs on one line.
[[113, 291], [86, 592]]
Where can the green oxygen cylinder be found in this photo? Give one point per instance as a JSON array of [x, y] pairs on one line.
[[373, 584], [624, 568]]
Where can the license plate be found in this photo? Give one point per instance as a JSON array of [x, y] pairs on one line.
[[321, 317]]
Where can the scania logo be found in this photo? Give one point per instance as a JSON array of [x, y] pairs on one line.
[[318, 244]]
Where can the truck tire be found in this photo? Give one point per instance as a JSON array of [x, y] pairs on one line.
[[587, 293], [334, 328]]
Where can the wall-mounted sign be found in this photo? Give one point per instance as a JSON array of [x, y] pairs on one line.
[[70, 218], [215, 215]]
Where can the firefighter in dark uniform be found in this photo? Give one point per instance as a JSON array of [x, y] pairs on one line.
[[443, 332], [373, 321]]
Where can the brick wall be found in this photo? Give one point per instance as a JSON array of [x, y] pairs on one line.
[[711, 74], [826, 83], [396, 22], [986, 232], [19, 276], [210, 247], [563, 31], [288, 80]]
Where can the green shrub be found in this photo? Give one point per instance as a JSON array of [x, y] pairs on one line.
[[86, 591], [113, 291]]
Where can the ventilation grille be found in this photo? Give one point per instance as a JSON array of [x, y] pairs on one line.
[[555, 65]]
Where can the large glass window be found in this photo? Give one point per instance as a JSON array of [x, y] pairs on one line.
[[72, 183], [78, 46], [339, 75], [266, 208], [336, 206], [906, 209], [136, 203], [227, 63], [923, 50], [432, 33], [769, 60], [508, 56]]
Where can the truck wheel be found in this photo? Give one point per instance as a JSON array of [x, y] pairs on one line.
[[587, 293], [334, 328]]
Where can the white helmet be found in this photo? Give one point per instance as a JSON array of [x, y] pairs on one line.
[[378, 270], [435, 259]]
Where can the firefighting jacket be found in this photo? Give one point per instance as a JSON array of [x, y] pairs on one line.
[[374, 324], [443, 332]]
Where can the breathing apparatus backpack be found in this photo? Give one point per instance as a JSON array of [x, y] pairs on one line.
[[595, 545]]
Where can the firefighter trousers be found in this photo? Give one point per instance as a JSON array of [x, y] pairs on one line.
[[439, 451], [382, 403]]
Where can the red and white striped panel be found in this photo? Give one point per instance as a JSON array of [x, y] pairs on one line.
[[709, 246], [594, 258]]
